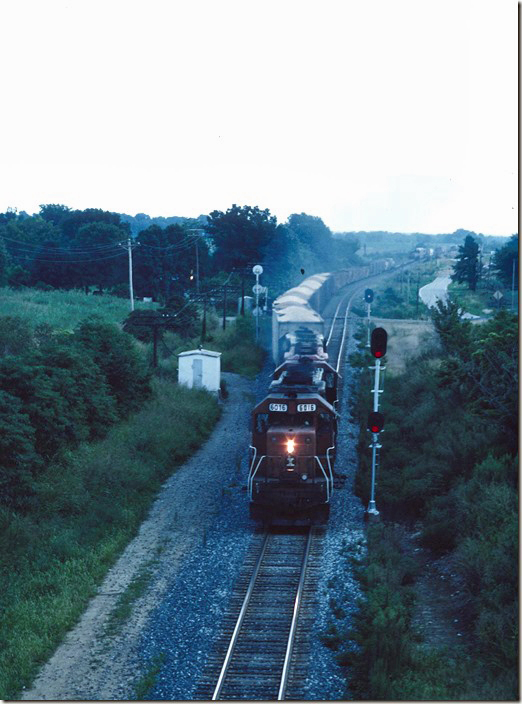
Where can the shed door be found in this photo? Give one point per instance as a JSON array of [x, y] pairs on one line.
[[197, 373]]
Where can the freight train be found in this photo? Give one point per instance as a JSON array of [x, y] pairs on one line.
[[291, 475]]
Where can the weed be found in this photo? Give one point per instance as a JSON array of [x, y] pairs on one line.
[[125, 603], [148, 679]]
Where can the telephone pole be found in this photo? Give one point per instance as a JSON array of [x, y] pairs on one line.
[[131, 290]]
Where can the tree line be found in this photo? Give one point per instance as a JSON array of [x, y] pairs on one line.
[[85, 249]]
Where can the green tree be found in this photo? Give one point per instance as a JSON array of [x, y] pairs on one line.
[[164, 260], [504, 259], [100, 259], [54, 266], [116, 354], [454, 332], [4, 263], [23, 236], [40, 391], [18, 459], [54, 213], [240, 235], [466, 268], [78, 218], [310, 230], [182, 316], [16, 335]]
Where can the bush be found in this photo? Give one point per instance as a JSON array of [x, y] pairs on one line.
[[89, 505], [116, 355]]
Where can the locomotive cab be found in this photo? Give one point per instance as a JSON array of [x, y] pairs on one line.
[[293, 450]]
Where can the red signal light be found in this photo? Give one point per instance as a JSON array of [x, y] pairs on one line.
[[378, 342], [375, 422]]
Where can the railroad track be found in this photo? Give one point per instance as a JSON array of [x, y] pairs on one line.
[[262, 651], [336, 339]]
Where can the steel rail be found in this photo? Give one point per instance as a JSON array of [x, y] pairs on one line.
[[239, 623], [345, 328], [334, 320], [293, 627], [358, 290]]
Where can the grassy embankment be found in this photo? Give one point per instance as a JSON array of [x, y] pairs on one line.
[[91, 497], [449, 468], [62, 310]]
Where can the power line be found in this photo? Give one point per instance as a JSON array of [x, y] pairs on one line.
[[177, 246], [65, 261], [29, 247]]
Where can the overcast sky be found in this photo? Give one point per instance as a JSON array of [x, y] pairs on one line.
[[392, 114]]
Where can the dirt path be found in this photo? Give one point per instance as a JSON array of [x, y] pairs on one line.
[[91, 665]]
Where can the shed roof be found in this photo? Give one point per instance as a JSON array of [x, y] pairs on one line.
[[204, 353]]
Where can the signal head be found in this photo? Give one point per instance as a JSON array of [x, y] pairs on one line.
[[378, 342], [368, 295], [375, 422]]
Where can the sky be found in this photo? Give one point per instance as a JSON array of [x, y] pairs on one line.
[[396, 115]]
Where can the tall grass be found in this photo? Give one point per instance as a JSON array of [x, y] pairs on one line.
[[63, 309], [239, 352], [90, 504]]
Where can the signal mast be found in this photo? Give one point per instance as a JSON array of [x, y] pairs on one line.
[[379, 339]]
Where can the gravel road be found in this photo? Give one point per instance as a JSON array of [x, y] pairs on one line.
[[197, 534]]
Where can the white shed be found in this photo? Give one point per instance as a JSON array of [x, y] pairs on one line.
[[200, 369]]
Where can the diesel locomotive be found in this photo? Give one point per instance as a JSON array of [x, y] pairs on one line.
[[294, 437]]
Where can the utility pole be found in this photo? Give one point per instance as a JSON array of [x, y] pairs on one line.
[[224, 306], [513, 286], [204, 323], [131, 290], [197, 229], [197, 268]]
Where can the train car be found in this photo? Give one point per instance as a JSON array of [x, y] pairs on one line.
[[293, 449], [308, 347], [299, 306]]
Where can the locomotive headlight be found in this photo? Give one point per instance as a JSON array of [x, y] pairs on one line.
[[290, 446]]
